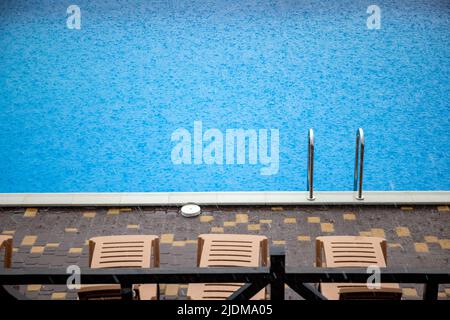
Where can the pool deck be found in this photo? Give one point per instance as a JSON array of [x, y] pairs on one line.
[[223, 198], [418, 236]]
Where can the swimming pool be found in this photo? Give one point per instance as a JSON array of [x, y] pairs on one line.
[[102, 108]]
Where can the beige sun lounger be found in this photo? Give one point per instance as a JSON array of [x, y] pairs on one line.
[[227, 250], [129, 251], [7, 243], [348, 251]]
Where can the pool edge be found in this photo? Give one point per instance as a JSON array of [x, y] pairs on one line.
[[222, 198]]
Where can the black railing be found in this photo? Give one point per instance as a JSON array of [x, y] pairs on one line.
[[276, 276]]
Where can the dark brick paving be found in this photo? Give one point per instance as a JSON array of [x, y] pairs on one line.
[[56, 237]]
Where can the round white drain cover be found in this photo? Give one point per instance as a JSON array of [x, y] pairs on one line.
[[190, 210]]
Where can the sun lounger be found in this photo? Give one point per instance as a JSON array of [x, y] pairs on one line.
[[227, 250], [347, 252], [129, 251]]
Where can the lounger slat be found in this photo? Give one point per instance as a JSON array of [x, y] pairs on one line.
[[227, 250], [133, 251], [351, 251]]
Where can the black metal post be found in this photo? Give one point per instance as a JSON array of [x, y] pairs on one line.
[[126, 291], [430, 291], [277, 271]]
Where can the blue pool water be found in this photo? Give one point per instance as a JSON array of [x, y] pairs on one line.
[[94, 109]]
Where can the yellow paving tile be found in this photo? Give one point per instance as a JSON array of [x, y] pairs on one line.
[[290, 220], [409, 292], [167, 238], [431, 239], [34, 287], [406, 208], [15, 249], [206, 218], [125, 210], [445, 243], [75, 250], [265, 221], [377, 232], [217, 230], [254, 227], [52, 245], [229, 224], [365, 233], [171, 290], [443, 208], [304, 238], [28, 240], [30, 212], [113, 211], [9, 232], [279, 242], [241, 218], [277, 209], [37, 249], [59, 295], [89, 214], [349, 216], [327, 227], [402, 231], [179, 243], [421, 247], [133, 226], [394, 245], [313, 220], [71, 230]]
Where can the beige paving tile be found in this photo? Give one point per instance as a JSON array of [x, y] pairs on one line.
[[29, 240]]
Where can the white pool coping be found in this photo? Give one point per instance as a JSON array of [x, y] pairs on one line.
[[222, 198]]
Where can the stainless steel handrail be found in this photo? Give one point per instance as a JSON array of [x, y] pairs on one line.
[[310, 177], [359, 164]]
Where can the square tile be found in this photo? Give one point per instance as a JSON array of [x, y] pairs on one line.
[[37, 249], [241, 218], [30, 212], [253, 227], [167, 238], [206, 218], [409, 292], [327, 227], [378, 232], [402, 232], [313, 220], [28, 240], [290, 220], [229, 224], [89, 214], [421, 247], [349, 216]]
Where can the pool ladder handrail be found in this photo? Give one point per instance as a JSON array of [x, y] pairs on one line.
[[310, 175], [359, 164]]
